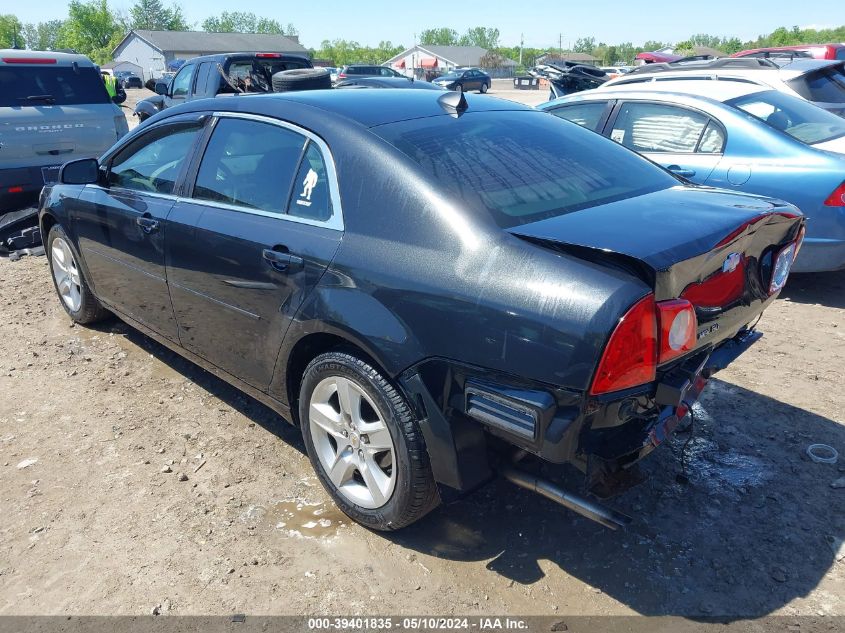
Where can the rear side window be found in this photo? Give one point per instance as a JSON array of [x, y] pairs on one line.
[[523, 166], [48, 84], [249, 164], [311, 199], [651, 127], [587, 115], [152, 163], [825, 85]]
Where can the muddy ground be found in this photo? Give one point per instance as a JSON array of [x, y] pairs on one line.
[[98, 424]]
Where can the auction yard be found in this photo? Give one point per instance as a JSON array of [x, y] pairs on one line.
[[133, 482]]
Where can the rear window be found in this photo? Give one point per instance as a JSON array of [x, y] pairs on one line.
[[798, 118], [363, 70], [50, 85], [826, 85], [524, 166]]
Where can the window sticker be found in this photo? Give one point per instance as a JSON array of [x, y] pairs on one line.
[[307, 187]]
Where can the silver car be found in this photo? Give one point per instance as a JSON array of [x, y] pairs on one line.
[[53, 108]]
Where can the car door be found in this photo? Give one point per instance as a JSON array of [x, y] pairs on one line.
[[589, 114], [120, 222], [253, 237], [181, 86], [687, 142]]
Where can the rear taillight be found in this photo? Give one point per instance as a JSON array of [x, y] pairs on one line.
[[837, 198], [29, 60], [799, 241], [341, 76], [678, 325], [268, 55], [630, 358], [15, 189], [782, 265]]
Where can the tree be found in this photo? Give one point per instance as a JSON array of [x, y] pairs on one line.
[[480, 36], [442, 36], [343, 52], [152, 15], [246, 22], [11, 32], [43, 36], [585, 45], [91, 29], [653, 45]]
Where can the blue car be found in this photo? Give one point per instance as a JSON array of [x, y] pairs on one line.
[[733, 135]]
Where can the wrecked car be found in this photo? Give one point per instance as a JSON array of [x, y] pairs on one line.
[[435, 287], [231, 73]]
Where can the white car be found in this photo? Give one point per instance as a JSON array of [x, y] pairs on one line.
[[820, 81]]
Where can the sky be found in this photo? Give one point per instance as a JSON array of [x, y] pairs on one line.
[[542, 23]]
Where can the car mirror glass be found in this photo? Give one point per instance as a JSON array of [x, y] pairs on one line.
[[80, 172]]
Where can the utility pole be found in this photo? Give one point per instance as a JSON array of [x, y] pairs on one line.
[[560, 43], [521, 44]]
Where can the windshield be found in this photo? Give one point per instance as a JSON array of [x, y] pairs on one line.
[[50, 85], [800, 119], [524, 166]]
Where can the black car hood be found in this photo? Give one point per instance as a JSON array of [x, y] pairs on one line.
[[659, 228]]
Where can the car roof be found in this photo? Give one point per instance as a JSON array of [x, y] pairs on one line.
[[729, 67], [367, 107], [61, 59], [716, 90]]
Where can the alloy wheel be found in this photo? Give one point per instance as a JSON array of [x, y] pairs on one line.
[[66, 274], [352, 442]]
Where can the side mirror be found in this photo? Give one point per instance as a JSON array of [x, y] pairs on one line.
[[161, 88], [84, 171]]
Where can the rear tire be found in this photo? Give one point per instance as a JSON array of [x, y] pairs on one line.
[[69, 281], [484, 88], [365, 443]]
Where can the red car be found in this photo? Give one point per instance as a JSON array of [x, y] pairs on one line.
[[816, 51]]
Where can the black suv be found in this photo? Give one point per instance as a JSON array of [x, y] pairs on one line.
[[210, 75], [362, 70]]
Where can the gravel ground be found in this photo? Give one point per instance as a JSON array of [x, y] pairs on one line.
[[131, 480]]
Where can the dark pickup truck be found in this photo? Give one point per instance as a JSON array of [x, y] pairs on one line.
[[211, 75]]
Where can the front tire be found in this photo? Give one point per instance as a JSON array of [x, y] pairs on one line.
[[69, 281], [365, 443]]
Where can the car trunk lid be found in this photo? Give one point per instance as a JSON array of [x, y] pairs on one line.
[[714, 248]]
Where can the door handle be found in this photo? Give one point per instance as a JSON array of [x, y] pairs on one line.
[[147, 223], [280, 259], [681, 171]]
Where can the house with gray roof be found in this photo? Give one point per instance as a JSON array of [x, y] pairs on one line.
[[152, 51], [421, 58]]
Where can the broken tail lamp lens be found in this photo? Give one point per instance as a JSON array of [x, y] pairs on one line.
[[678, 325], [630, 357], [780, 270]]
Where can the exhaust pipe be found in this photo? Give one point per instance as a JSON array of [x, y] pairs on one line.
[[586, 508]]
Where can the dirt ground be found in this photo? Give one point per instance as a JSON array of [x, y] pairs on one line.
[[131, 480]]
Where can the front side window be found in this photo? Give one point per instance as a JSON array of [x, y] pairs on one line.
[[800, 119], [152, 163], [587, 115], [250, 164], [523, 166], [651, 127], [182, 82]]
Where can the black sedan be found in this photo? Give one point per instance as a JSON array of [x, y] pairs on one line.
[[465, 80], [434, 288]]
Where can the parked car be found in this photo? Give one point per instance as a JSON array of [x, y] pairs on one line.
[[736, 136], [464, 81], [821, 82], [210, 75], [129, 79], [535, 291], [386, 82], [367, 70], [53, 107], [816, 51], [613, 72]]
